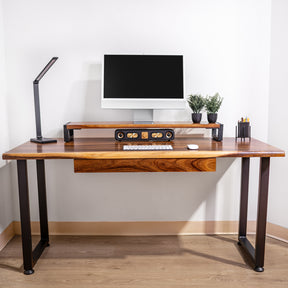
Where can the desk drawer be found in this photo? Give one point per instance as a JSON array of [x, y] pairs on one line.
[[145, 165]]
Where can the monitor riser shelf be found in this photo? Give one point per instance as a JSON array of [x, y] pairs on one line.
[[217, 128]]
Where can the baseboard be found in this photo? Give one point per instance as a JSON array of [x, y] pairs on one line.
[[142, 228], [277, 232], [6, 235]]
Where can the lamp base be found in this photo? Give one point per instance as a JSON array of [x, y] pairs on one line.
[[43, 140]]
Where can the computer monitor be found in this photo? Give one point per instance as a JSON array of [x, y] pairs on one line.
[[143, 83]]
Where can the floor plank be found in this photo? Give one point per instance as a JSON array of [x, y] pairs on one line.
[[158, 261]]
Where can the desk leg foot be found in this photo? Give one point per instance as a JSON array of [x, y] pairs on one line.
[[28, 272], [239, 243], [259, 269]]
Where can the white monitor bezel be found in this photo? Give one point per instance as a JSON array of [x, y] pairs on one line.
[[134, 103]]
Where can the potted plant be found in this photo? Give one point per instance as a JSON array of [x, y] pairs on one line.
[[196, 103], [212, 105]]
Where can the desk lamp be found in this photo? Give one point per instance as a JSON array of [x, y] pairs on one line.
[[39, 138]]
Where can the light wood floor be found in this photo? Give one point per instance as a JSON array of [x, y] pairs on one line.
[[160, 261]]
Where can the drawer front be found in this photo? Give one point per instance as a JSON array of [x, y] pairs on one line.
[[145, 165]]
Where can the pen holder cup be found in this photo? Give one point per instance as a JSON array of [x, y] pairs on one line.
[[243, 130]]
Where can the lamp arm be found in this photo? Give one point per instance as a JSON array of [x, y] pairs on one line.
[[37, 110]]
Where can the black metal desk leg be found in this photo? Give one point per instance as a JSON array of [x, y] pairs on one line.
[[262, 214], [242, 236], [42, 202], [244, 198], [25, 216], [257, 253]]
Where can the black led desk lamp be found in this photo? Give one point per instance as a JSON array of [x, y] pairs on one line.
[[39, 138]]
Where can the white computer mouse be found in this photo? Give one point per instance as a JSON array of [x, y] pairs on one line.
[[192, 146]]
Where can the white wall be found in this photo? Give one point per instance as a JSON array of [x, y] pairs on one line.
[[278, 136], [226, 47], [6, 211], [4, 139]]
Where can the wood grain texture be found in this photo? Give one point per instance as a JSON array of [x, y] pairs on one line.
[[145, 165], [108, 148], [138, 262], [130, 124]]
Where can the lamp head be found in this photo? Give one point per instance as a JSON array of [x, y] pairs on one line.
[[46, 68]]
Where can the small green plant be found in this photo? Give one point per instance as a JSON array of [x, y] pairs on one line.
[[196, 103], [213, 103]]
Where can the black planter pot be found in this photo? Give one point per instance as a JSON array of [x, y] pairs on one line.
[[212, 117], [196, 117]]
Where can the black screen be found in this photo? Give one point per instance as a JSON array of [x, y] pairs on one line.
[[143, 76]]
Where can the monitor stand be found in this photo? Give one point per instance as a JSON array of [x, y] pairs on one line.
[[143, 116]]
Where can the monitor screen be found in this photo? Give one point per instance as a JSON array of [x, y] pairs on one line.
[[143, 77]]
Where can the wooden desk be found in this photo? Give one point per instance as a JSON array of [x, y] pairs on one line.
[[106, 155]]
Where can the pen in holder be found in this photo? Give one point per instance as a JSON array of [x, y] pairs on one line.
[[243, 130]]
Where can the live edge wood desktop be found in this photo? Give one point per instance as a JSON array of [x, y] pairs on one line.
[[107, 155]]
